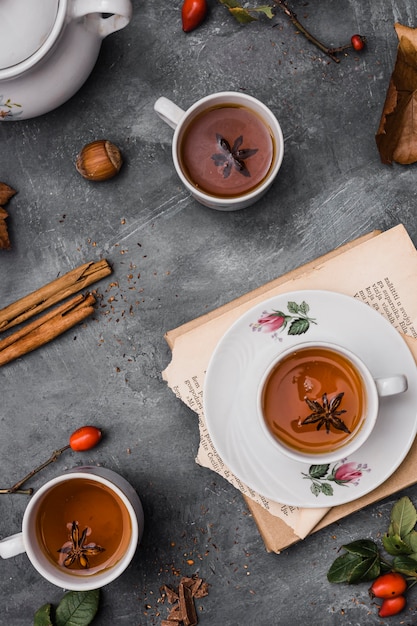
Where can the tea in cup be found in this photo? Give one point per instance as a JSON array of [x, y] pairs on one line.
[[227, 148], [318, 402], [81, 529]]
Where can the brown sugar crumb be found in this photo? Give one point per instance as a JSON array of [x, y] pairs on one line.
[[183, 611]]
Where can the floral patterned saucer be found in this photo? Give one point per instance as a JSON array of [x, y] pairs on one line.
[[235, 371]]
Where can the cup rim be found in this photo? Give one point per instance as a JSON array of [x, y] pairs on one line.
[[368, 421], [33, 59], [271, 120], [62, 578]]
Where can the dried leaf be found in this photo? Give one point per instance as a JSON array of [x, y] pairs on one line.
[[396, 137], [4, 235], [6, 193]]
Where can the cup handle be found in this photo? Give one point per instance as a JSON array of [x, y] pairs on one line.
[[121, 11], [169, 112], [12, 546], [391, 385]]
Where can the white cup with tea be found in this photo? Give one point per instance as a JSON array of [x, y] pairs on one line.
[[227, 148], [318, 402], [80, 530]]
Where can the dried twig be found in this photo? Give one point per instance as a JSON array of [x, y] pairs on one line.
[[293, 17]]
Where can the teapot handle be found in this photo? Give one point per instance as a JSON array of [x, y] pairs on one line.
[[120, 13]]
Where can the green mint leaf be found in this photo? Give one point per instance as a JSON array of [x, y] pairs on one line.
[[403, 516], [318, 471], [299, 326], [77, 608], [363, 547], [394, 545], [405, 565], [42, 616]]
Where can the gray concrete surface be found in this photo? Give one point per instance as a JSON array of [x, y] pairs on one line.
[[174, 260]]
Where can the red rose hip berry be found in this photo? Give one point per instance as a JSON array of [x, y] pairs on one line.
[[388, 585], [358, 42], [193, 13], [392, 606], [85, 438]]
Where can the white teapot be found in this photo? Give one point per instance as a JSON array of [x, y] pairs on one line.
[[48, 49]]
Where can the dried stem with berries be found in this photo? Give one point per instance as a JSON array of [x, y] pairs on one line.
[[244, 15]]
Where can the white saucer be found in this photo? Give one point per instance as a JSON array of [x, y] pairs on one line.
[[235, 371]]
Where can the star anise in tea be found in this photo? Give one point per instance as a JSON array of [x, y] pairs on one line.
[[326, 414], [232, 156], [77, 549]]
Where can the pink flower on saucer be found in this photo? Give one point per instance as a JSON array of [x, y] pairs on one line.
[[344, 474], [296, 321], [270, 322], [348, 473]]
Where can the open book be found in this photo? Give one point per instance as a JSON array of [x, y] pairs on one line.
[[378, 268]]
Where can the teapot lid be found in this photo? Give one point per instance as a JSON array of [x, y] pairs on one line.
[[24, 27]]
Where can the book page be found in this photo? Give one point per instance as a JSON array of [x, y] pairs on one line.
[[373, 271]]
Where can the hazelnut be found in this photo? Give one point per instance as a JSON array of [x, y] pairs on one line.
[[99, 160]]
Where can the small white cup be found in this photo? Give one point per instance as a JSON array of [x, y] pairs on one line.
[[374, 389], [180, 120], [27, 540]]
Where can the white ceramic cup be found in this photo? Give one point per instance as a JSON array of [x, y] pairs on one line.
[[179, 120], [27, 540], [374, 389]]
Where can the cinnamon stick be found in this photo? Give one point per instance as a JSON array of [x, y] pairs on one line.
[[46, 328], [53, 292]]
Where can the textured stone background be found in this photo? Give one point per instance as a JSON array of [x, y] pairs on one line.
[[174, 260]]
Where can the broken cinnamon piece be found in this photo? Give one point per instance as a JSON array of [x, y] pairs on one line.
[[6, 193], [168, 622], [4, 235], [187, 606]]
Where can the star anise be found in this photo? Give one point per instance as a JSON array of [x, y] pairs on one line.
[[326, 414], [232, 157], [77, 549]]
